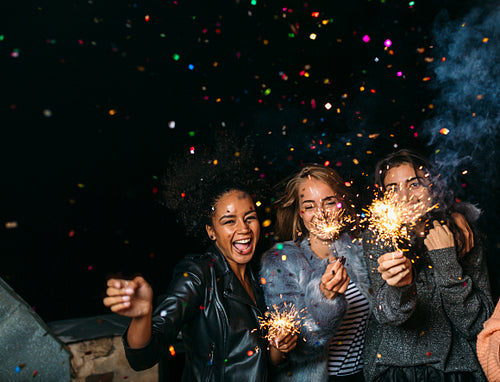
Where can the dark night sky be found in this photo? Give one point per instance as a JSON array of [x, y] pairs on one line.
[[90, 90]]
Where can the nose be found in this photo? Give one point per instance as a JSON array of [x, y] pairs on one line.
[[243, 225]]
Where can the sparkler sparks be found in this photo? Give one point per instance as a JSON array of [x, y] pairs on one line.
[[391, 220], [328, 225], [279, 322]]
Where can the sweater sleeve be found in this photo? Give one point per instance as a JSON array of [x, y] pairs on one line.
[[179, 305], [391, 305], [488, 346], [464, 288], [290, 281]]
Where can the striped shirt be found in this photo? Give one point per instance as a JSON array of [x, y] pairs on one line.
[[345, 353]]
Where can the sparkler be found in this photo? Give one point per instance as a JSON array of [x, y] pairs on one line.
[[328, 225], [279, 322], [390, 219]]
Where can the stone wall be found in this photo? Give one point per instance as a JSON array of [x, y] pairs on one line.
[[101, 357]]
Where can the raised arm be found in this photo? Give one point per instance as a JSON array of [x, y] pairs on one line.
[[463, 285]]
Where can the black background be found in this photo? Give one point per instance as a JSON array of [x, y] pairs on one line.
[[89, 89]]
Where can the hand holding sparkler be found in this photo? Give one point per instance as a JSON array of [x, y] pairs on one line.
[[282, 345], [335, 279], [395, 269], [282, 328], [388, 218]]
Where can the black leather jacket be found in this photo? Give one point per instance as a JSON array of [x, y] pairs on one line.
[[218, 321]]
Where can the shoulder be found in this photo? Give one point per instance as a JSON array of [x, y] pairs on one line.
[[198, 264], [470, 211], [286, 255], [287, 250]]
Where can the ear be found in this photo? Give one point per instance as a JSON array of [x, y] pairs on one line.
[[210, 232]]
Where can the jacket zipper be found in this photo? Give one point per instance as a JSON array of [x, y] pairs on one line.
[[210, 362]]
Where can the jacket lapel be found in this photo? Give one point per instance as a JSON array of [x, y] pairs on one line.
[[229, 282]]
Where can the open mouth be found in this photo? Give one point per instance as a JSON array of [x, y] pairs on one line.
[[243, 246]]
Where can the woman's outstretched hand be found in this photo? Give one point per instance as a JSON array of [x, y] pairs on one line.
[[129, 298], [395, 268], [335, 280]]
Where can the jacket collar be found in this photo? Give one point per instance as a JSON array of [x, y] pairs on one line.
[[229, 282]]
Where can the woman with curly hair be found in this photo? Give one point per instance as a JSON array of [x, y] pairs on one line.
[[214, 298]]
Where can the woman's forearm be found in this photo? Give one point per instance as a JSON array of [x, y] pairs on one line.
[[139, 331]]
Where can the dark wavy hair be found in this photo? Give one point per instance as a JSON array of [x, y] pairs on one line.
[[443, 196]]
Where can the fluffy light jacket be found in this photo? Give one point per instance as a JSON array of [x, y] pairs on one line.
[[292, 276]]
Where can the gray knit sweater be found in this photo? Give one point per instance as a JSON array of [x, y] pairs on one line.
[[435, 320]]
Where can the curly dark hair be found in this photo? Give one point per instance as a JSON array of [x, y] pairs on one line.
[[193, 184]]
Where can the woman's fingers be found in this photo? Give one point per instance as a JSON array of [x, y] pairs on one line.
[[119, 307], [344, 285], [395, 269], [397, 272], [116, 302], [336, 281], [390, 259], [286, 343], [389, 272], [439, 237]]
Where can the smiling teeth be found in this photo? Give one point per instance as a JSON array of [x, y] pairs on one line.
[[245, 241]]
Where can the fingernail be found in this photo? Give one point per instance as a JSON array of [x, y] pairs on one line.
[[126, 298], [129, 291], [126, 303]]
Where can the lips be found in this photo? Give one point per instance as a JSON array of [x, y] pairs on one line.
[[243, 246]]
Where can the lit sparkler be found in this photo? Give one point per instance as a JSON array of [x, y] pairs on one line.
[[328, 225], [390, 219], [279, 322]]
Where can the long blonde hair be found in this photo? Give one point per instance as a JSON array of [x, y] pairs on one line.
[[289, 225]]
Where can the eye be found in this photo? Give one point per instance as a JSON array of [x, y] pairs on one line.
[[229, 221], [415, 184], [392, 188], [251, 217]]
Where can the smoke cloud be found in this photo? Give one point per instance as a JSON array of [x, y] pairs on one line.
[[463, 133]]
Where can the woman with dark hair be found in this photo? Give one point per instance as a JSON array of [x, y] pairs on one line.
[[430, 300], [318, 268], [214, 298]]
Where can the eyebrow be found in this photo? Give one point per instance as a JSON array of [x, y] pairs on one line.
[[407, 180], [324, 200]]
